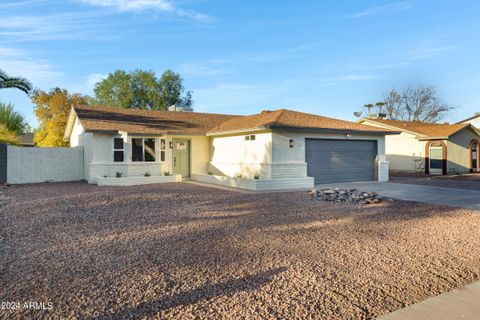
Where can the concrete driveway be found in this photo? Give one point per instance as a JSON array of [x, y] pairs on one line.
[[435, 195]]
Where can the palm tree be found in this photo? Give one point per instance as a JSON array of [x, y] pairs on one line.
[[11, 120], [369, 108], [14, 82]]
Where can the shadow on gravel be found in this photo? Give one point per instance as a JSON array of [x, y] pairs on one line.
[[209, 291]]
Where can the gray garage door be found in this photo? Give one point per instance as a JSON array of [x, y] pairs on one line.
[[341, 160]]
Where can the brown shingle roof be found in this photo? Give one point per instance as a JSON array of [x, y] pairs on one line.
[[98, 118], [287, 119], [429, 130]]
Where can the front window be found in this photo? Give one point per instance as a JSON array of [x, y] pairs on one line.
[[143, 149], [118, 150], [162, 150]]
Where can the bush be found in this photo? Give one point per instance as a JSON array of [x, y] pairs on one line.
[[118, 174], [147, 174], [166, 173], [7, 136], [256, 176]]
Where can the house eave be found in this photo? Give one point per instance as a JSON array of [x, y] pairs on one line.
[[432, 138], [72, 115], [333, 130], [237, 131]]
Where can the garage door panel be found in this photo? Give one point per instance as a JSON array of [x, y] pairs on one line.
[[341, 160]]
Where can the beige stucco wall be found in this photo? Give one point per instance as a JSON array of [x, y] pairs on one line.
[[475, 122], [233, 155], [458, 150], [404, 152]]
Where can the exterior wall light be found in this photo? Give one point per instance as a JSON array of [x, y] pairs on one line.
[[170, 144], [348, 136], [290, 143]]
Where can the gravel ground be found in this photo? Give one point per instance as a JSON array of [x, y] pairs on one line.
[[186, 252], [466, 181]]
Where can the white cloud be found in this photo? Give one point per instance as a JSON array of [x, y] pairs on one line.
[[17, 62], [389, 8], [132, 5], [92, 79], [75, 25], [145, 5]]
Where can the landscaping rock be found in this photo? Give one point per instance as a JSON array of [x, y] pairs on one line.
[[350, 196]]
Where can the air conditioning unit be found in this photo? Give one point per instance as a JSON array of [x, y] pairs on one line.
[[180, 109]]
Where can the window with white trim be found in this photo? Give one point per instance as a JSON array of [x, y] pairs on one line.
[[143, 149], [162, 149], [118, 149]]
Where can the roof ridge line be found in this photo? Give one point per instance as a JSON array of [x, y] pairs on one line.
[[277, 118]]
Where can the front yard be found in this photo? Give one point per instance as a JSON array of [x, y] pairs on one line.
[[183, 251]]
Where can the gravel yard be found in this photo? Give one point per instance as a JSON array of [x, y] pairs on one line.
[[182, 251]]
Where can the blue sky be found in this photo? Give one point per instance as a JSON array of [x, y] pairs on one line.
[[239, 57]]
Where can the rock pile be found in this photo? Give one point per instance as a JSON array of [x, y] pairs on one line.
[[349, 196]]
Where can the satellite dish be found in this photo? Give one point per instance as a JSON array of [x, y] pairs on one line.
[[357, 114]]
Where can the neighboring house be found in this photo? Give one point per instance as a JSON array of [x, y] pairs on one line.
[[429, 147], [279, 149], [26, 140], [473, 120]]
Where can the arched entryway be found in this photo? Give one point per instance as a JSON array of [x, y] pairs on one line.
[[435, 157], [474, 159]]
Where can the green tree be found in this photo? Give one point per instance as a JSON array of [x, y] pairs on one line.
[[52, 109], [11, 120], [19, 83], [142, 89]]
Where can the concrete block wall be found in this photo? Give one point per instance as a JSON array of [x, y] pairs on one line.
[[33, 165]]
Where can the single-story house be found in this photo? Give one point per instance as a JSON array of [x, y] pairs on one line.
[[26, 140], [279, 149], [430, 147], [473, 120]]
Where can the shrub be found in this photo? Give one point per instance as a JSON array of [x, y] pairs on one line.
[[118, 174], [147, 174], [166, 173], [256, 176]]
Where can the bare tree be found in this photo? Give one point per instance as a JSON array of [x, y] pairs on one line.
[[415, 104], [393, 104]]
